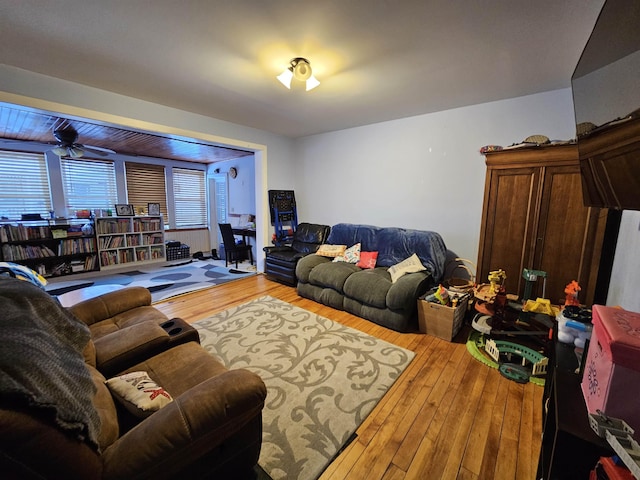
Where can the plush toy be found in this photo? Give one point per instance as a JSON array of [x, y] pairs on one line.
[[571, 292]]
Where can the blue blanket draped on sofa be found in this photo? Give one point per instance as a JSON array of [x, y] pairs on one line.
[[394, 244]]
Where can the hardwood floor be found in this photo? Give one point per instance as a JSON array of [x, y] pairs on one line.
[[447, 417]]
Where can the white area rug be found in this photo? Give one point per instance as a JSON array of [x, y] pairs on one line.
[[323, 378]]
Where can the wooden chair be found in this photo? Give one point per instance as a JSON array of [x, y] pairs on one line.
[[232, 250]]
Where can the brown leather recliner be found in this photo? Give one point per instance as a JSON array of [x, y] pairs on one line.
[[211, 429], [127, 329]]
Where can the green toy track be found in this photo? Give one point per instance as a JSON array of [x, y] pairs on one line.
[[476, 342]]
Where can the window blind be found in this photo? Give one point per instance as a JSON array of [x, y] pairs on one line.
[[221, 198], [88, 184], [24, 184], [189, 198], [146, 184]]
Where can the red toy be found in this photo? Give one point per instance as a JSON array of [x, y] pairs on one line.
[[571, 291]]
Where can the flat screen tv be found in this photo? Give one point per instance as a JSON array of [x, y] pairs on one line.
[[606, 97]]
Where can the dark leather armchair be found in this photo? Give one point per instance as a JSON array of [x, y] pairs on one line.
[[281, 261]]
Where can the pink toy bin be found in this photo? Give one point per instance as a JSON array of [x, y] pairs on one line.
[[611, 379]]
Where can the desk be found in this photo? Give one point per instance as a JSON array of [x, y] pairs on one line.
[[245, 233]]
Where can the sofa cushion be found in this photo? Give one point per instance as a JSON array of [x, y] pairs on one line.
[[369, 287], [173, 368], [140, 395], [284, 255], [106, 408], [126, 319], [308, 237], [411, 264], [404, 293], [326, 296], [367, 259], [350, 255], [332, 275], [307, 264], [327, 250]]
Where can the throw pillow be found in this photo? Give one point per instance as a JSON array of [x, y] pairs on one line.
[[138, 393], [408, 265], [367, 259], [350, 255], [327, 250]]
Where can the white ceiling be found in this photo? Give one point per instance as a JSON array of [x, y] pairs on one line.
[[376, 60]]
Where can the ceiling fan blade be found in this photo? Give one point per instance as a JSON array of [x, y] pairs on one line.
[[98, 150], [8, 143]]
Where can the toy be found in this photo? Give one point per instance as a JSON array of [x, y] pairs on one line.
[[541, 305], [496, 279], [502, 355], [571, 292], [619, 435], [531, 276], [490, 294]]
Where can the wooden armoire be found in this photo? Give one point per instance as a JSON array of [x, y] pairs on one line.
[[533, 217]]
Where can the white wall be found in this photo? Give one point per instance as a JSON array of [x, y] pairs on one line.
[[625, 276], [241, 190], [422, 172]]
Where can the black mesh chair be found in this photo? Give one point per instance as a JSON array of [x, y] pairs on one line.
[[233, 251], [280, 261]]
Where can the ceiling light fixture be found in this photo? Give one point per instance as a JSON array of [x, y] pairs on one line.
[[300, 69]]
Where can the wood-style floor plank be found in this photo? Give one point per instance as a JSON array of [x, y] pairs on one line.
[[447, 416]]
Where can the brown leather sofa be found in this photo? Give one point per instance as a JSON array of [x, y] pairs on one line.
[[58, 418]]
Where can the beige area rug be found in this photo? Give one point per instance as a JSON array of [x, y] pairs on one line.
[[323, 378]]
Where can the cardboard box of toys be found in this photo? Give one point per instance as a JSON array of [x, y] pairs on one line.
[[442, 318]]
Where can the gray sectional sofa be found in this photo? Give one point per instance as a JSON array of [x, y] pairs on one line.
[[370, 293]]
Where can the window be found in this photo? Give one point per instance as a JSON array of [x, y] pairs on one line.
[[221, 197], [24, 184], [189, 198], [88, 184], [146, 184]]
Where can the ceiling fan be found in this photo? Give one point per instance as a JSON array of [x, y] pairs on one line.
[[67, 145]]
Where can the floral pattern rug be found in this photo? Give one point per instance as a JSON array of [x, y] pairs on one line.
[[322, 378]]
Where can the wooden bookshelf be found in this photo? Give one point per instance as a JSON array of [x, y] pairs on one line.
[[51, 247], [130, 240]]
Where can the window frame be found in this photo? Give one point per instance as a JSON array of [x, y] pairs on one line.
[[76, 175], [18, 184], [189, 198]]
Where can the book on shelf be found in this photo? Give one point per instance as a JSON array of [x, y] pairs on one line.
[[20, 232], [25, 252], [146, 224]]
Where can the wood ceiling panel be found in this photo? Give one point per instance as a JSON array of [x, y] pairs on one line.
[[28, 125]]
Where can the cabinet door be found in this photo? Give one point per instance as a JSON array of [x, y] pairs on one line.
[[510, 212], [567, 233]]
